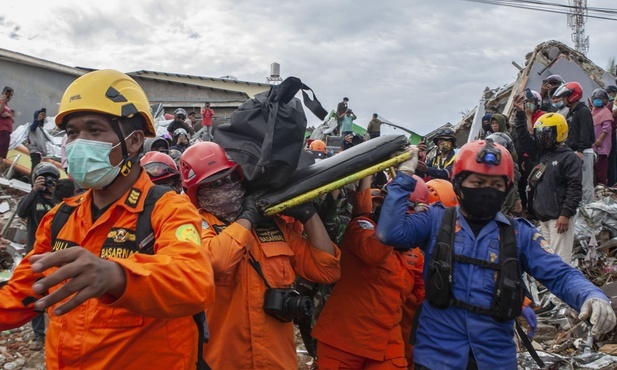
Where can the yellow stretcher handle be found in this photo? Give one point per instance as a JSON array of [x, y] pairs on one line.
[[303, 198]]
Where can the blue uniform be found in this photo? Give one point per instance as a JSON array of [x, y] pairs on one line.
[[445, 337]]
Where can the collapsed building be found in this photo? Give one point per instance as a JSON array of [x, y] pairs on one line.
[[548, 58]]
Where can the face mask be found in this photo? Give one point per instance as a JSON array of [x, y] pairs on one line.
[[557, 105], [445, 146], [225, 202], [598, 103], [611, 98], [530, 106], [481, 203], [89, 163]]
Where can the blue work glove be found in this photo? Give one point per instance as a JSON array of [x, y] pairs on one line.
[[532, 320]]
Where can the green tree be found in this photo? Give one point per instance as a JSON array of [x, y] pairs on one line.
[[612, 66]]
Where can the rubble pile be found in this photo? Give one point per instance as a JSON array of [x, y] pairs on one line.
[[15, 353], [562, 341]]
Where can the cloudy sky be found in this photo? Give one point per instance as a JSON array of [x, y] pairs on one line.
[[417, 63]]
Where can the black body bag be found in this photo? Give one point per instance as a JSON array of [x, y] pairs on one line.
[[266, 134]]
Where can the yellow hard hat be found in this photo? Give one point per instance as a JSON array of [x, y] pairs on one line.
[[106, 91]]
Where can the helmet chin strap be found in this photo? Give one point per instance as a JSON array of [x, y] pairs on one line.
[[126, 164]]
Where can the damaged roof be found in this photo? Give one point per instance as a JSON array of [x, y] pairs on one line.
[[548, 58]]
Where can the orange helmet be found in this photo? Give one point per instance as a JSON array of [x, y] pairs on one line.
[[484, 157], [319, 146], [204, 161], [442, 191], [159, 166]]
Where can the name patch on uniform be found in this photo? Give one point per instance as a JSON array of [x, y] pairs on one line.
[[113, 251], [61, 244], [188, 233], [269, 233]]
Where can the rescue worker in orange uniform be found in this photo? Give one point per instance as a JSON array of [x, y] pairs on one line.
[[162, 170], [252, 257], [110, 304], [360, 325]]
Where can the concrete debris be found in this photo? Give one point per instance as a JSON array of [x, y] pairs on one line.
[[548, 58], [15, 352]]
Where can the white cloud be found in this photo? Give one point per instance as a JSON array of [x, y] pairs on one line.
[[418, 63]]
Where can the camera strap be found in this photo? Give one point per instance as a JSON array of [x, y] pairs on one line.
[[257, 268]]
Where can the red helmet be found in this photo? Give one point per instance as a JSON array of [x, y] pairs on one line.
[[572, 91], [159, 165], [442, 191], [420, 193], [485, 158], [202, 161]]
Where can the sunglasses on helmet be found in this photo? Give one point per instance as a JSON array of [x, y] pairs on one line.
[[443, 131], [159, 169], [232, 177]]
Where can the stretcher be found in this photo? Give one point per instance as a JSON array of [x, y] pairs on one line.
[[335, 172]]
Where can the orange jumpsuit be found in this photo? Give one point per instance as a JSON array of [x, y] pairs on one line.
[[151, 324], [242, 334], [360, 325], [415, 300]]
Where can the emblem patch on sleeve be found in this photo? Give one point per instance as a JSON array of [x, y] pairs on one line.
[[366, 225], [537, 237], [188, 233]]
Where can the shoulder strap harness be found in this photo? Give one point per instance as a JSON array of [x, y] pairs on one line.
[[508, 295], [144, 234]]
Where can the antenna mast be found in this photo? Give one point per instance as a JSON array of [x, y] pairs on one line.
[[576, 20]]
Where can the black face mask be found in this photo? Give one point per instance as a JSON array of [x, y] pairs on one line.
[[481, 203]]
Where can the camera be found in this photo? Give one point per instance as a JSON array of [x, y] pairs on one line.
[[287, 304], [50, 181]]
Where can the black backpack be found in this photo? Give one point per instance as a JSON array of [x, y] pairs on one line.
[[144, 234], [266, 134]]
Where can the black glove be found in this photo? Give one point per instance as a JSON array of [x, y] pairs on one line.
[[250, 211], [302, 212]]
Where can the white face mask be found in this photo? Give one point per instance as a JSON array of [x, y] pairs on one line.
[[89, 164]]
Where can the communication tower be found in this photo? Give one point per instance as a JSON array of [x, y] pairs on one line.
[[576, 20]]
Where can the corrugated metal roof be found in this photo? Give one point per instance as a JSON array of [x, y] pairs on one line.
[[200, 87], [38, 62], [237, 82]]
